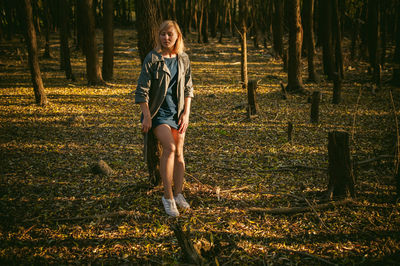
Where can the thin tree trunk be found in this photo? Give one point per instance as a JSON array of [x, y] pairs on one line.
[[47, 25], [206, 4], [108, 40], [30, 38], [309, 37], [373, 37], [295, 81], [277, 28], [93, 70], [64, 33], [327, 40], [338, 39]]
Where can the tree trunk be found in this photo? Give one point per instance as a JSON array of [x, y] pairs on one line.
[[295, 82], [251, 98], [337, 88], [108, 40], [47, 22], [206, 5], [327, 40], [314, 117], [31, 43], [338, 39], [200, 12], [373, 36], [243, 7], [147, 21], [93, 70], [309, 37], [64, 33], [277, 28], [396, 58], [341, 178]]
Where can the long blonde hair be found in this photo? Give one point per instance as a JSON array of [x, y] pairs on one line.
[[179, 45]]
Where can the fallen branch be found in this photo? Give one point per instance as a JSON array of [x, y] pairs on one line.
[[189, 251], [291, 167], [294, 210], [98, 216], [380, 157], [310, 255]]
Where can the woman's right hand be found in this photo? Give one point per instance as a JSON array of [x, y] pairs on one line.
[[146, 124]]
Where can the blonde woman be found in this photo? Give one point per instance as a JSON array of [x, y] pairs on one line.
[[164, 92]]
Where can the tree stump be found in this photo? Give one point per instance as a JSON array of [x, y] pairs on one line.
[[337, 88], [152, 154], [316, 96], [341, 178], [251, 97], [396, 75]]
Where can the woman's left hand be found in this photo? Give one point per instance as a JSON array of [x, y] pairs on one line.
[[183, 123]]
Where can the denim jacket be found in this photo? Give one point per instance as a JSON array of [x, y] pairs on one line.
[[154, 80]]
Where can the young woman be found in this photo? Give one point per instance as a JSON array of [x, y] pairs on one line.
[[164, 93]]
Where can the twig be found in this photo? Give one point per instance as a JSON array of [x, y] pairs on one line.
[[205, 119], [235, 189], [318, 216], [310, 255], [367, 161], [290, 167], [294, 210], [194, 178]]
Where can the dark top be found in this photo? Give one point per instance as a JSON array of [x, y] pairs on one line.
[[168, 112]]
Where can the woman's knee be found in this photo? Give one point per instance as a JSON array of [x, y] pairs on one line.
[[169, 149], [179, 157]]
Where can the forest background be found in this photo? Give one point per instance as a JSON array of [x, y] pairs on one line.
[[76, 190]]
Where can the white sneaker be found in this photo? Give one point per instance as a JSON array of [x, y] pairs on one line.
[[181, 201], [170, 207]]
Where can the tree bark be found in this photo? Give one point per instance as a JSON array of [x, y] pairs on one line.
[[47, 22], [251, 98], [295, 82], [327, 38], [31, 43], [277, 28], [243, 7], [148, 19], [93, 70], [108, 40], [64, 33], [309, 37], [373, 36], [337, 88], [338, 39], [341, 178]]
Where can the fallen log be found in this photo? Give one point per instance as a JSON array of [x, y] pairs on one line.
[[294, 210]]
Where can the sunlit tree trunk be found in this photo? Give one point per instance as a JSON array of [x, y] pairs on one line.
[[295, 81], [108, 40], [30, 38], [93, 70]]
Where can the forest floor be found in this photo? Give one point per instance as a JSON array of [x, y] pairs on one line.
[[54, 210]]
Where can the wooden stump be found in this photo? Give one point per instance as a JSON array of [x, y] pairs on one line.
[[341, 178], [152, 156], [316, 96], [283, 90], [378, 75], [337, 88], [251, 97], [102, 168]]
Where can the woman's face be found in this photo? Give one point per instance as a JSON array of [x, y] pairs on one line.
[[168, 37]]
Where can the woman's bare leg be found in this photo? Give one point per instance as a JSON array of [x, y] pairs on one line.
[[179, 163], [165, 136]]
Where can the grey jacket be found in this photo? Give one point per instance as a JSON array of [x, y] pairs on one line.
[[154, 80]]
